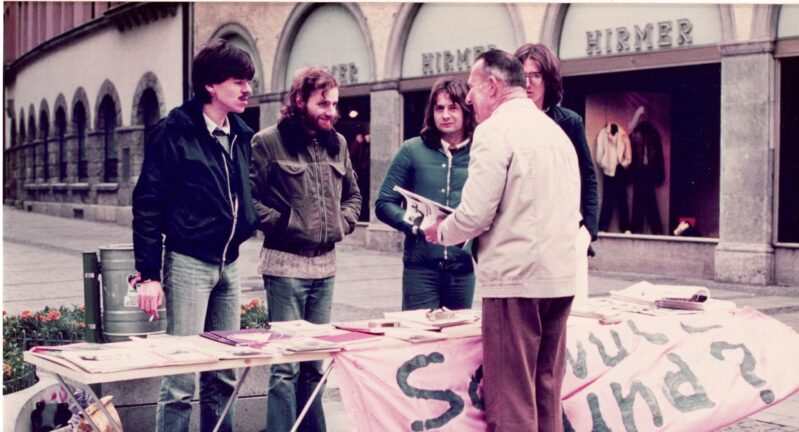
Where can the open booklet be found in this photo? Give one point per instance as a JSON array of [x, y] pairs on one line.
[[421, 211], [686, 297]]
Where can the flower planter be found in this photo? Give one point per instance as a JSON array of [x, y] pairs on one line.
[[26, 377]]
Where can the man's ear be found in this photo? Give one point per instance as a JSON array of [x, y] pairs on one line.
[[493, 86], [210, 89], [298, 100]]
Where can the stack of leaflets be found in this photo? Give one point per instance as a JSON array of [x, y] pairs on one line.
[[683, 297], [373, 326], [346, 338], [414, 335], [302, 328], [310, 344], [423, 317], [255, 337]]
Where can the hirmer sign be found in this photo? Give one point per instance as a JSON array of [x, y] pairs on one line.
[[447, 61], [622, 39]]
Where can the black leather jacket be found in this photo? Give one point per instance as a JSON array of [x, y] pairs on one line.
[[188, 190], [306, 193]]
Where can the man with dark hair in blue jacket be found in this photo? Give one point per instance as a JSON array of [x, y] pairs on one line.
[[193, 201]]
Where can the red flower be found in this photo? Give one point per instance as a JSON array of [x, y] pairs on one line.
[[53, 315], [5, 312], [7, 370], [26, 314]]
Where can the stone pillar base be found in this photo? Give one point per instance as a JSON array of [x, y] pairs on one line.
[[382, 237], [744, 263]]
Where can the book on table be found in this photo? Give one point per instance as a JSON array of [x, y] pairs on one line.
[[253, 337]]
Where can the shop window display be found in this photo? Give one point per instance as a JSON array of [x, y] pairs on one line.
[[654, 136]]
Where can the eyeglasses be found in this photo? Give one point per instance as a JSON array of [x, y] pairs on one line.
[[533, 78]]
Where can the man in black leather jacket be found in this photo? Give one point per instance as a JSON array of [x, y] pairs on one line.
[[193, 200]]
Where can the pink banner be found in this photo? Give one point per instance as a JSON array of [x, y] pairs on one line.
[[687, 372]]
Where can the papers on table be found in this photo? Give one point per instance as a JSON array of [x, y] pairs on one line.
[[649, 294], [123, 356], [254, 337], [651, 299], [420, 318]]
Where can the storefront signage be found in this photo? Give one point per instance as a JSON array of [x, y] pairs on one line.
[[345, 73], [447, 61], [623, 39]]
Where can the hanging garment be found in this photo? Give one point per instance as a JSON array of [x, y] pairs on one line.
[[613, 149], [647, 173]]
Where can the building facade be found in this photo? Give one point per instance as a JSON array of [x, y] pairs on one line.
[[709, 89], [83, 83]]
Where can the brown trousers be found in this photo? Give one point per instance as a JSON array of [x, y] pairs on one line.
[[524, 345]]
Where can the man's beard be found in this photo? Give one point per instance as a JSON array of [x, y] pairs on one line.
[[312, 123]]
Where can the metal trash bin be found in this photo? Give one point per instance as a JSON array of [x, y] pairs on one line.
[[121, 315]]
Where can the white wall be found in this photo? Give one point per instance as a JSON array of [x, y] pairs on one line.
[[121, 57]]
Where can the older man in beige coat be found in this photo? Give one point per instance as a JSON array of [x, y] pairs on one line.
[[521, 202]]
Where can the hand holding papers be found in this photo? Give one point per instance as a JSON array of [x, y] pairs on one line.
[[420, 211]]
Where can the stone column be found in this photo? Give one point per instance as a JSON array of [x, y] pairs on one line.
[[745, 253], [386, 131], [270, 110]]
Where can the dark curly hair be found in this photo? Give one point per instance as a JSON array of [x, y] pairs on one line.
[[306, 81]]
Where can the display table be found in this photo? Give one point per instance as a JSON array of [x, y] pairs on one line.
[[83, 378], [63, 373], [683, 372]]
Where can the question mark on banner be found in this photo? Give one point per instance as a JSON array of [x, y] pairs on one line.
[[747, 367]]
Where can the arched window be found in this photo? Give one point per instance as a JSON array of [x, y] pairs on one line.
[[44, 127], [31, 127], [79, 121], [148, 106], [30, 151], [61, 131], [22, 136], [108, 121]]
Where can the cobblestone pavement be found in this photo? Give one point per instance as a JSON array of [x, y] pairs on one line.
[[42, 266]]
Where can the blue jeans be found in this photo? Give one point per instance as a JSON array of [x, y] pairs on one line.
[[199, 297], [291, 384], [426, 288]]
